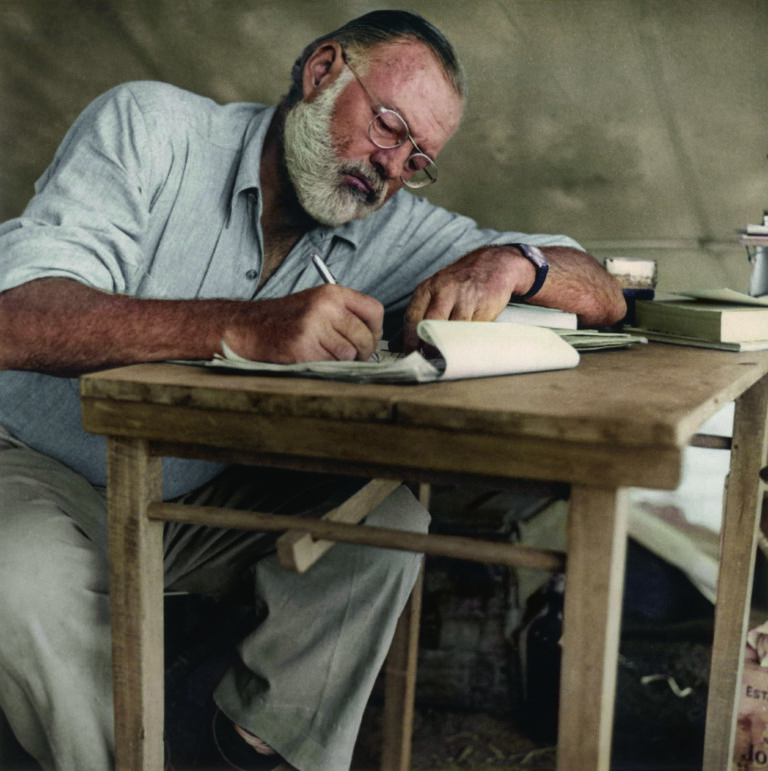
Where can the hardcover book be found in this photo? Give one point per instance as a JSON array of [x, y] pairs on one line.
[[704, 320]]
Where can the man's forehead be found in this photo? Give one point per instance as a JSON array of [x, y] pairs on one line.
[[401, 71], [405, 58]]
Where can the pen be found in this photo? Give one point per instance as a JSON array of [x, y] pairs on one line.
[[323, 269], [328, 277]]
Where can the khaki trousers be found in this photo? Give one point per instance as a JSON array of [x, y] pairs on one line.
[[303, 676]]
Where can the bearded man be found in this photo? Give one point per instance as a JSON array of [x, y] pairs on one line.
[[165, 225]]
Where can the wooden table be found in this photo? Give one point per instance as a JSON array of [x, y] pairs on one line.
[[620, 419]]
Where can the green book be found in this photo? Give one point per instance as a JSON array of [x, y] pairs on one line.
[[703, 320]]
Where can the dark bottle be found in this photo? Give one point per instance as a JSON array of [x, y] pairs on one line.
[[542, 665]]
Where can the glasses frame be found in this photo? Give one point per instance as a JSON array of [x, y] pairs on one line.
[[379, 109]]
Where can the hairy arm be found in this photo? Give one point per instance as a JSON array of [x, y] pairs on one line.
[[62, 327], [478, 286]]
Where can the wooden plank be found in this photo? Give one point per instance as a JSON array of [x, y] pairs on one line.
[[655, 394], [596, 547], [401, 670], [460, 547], [711, 441], [741, 523], [361, 468], [173, 384], [136, 587], [297, 550], [382, 445], [400, 686]]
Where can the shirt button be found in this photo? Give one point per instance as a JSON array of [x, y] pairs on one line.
[[252, 274]]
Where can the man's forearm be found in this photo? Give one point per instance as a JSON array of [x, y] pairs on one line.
[[478, 285], [62, 327], [576, 282]]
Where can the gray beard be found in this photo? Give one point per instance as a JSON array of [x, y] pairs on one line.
[[315, 169]]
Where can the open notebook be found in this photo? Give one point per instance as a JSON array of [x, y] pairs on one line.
[[451, 350]]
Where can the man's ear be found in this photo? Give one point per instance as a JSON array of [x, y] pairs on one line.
[[322, 68]]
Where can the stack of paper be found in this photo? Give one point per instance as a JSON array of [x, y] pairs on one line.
[[451, 350], [522, 313], [756, 235]]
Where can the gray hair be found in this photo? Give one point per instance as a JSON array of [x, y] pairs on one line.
[[364, 33]]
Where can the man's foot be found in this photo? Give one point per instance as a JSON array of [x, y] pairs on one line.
[[242, 750]]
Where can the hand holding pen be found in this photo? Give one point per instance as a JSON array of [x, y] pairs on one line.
[[329, 278]]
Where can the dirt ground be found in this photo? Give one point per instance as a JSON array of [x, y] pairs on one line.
[[659, 720], [451, 741]]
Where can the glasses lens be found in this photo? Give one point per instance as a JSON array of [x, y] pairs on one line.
[[422, 169], [418, 162], [387, 129]]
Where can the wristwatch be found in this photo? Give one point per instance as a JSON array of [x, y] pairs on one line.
[[536, 256]]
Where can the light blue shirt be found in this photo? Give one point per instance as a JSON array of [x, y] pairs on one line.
[[154, 192]]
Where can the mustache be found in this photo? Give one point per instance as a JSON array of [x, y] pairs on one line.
[[374, 177]]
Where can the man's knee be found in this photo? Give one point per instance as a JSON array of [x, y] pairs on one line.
[[46, 563], [400, 511], [31, 479]]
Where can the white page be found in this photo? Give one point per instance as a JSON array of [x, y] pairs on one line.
[[725, 296], [480, 349]]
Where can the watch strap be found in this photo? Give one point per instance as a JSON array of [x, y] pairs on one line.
[[539, 261]]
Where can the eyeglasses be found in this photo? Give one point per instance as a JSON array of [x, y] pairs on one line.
[[388, 130]]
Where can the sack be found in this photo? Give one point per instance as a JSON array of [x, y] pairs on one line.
[[751, 747]]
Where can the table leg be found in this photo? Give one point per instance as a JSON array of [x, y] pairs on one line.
[[400, 686], [136, 576], [741, 521], [597, 543]]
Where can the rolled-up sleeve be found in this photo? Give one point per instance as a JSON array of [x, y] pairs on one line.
[[90, 208]]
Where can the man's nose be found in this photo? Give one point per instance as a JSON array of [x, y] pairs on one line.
[[392, 160]]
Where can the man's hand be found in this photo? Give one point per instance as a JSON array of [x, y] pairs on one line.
[[474, 288], [326, 322]]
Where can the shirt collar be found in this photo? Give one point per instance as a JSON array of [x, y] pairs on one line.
[[351, 231], [247, 177]]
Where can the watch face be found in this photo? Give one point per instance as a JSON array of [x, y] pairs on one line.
[[536, 255]]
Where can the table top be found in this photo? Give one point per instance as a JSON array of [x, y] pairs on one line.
[[623, 416]]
